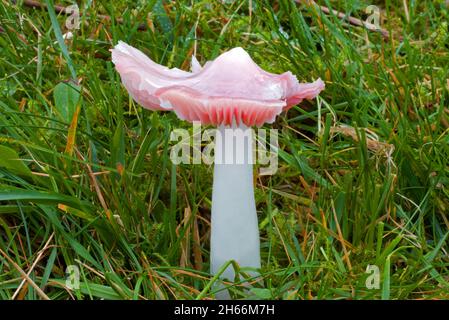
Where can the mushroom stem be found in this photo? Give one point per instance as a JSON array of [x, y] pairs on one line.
[[235, 232]]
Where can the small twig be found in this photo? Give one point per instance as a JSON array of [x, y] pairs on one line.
[[62, 10], [351, 20]]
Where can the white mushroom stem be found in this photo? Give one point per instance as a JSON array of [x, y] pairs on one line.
[[235, 232]]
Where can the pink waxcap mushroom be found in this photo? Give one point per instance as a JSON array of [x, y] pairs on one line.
[[230, 87]]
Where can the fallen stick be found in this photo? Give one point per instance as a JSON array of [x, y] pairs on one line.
[[351, 20]]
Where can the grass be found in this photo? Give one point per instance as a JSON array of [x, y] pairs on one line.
[[363, 170]]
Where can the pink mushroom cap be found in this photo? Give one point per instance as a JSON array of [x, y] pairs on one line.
[[230, 87]]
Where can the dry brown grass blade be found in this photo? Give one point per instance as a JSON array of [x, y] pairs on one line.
[[38, 258], [341, 238], [185, 243], [198, 258], [94, 182], [25, 276]]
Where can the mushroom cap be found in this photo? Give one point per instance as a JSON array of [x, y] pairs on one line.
[[230, 87]]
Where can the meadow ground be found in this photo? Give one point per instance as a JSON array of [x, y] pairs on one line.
[[363, 170]]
